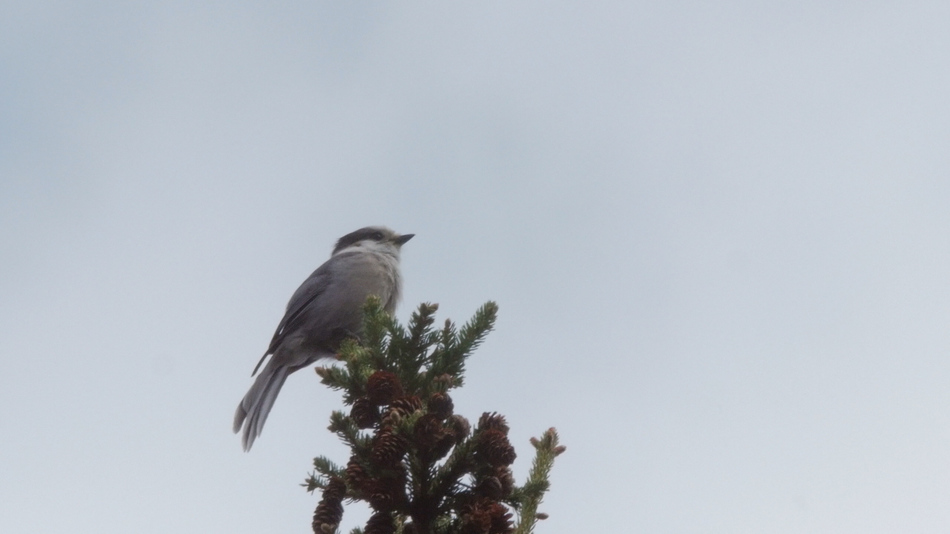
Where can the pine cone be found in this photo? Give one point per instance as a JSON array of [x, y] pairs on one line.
[[445, 380], [500, 520], [382, 387], [400, 408], [388, 447], [458, 426], [440, 405], [427, 431], [364, 413], [335, 490], [475, 518], [493, 421], [329, 512], [380, 523], [490, 488], [493, 447], [381, 500], [388, 492], [503, 474], [356, 476]]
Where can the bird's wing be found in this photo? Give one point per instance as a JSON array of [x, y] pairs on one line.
[[311, 288]]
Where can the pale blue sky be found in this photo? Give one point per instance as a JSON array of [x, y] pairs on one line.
[[717, 233]]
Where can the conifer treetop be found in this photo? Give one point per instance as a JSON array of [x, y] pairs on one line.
[[421, 467]]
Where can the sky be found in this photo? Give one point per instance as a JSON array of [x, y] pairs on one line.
[[717, 234]]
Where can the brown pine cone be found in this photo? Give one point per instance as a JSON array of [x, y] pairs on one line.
[[493, 447], [380, 523], [364, 413], [493, 421], [440, 405], [388, 447], [382, 387], [400, 408], [329, 512], [356, 476], [500, 520]]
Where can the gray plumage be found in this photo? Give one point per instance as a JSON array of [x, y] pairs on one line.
[[325, 310]]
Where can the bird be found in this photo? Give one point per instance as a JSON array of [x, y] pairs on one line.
[[326, 309]]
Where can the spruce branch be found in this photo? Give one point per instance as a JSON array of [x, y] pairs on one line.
[[335, 377], [420, 324], [420, 466], [324, 470], [528, 497], [326, 467]]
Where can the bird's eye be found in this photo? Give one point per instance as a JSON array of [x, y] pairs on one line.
[[378, 236]]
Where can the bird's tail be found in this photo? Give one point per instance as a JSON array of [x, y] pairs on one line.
[[254, 407]]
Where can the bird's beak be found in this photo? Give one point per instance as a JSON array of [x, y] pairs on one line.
[[401, 240]]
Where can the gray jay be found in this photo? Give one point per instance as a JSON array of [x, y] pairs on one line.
[[325, 310]]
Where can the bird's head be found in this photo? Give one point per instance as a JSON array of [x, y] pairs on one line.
[[377, 238]]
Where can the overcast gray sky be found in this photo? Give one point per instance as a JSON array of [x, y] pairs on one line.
[[718, 233]]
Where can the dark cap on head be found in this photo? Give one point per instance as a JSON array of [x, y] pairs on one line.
[[374, 233]]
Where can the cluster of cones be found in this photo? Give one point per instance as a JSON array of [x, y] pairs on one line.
[[423, 469]]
